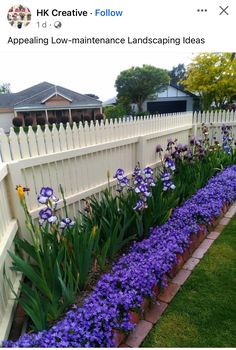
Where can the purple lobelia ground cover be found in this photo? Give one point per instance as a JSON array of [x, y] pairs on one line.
[[133, 277]]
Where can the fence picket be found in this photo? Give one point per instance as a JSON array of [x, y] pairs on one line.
[[23, 144], [81, 135], [14, 144], [75, 135], [62, 137], [5, 151], [55, 139], [69, 137], [48, 140], [40, 141], [32, 142]]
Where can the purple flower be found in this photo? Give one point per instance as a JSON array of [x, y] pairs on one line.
[[138, 180], [137, 171], [46, 194], [66, 222], [159, 149], [165, 176], [141, 204], [124, 182], [47, 215], [148, 172], [119, 174], [169, 163], [133, 276]]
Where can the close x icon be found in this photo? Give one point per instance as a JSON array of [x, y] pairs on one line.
[[224, 10]]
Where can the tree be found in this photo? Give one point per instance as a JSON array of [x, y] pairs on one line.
[[5, 88], [177, 74], [136, 84], [93, 96], [213, 77]]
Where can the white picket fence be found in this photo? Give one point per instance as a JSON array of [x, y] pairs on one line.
[[79, 158], [8, 230]]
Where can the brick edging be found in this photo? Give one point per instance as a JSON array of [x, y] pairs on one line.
[[151, 314]]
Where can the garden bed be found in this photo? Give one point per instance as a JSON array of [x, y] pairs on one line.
[[210, 320], [138, 275]]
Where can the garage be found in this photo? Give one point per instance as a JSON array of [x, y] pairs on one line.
[[166, 107]]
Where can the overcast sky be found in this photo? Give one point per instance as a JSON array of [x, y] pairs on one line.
[[85, 73]]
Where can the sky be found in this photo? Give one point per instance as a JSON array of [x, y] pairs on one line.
[[82, 72]]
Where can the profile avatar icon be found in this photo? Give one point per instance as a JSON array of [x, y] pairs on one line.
[[19, 16]]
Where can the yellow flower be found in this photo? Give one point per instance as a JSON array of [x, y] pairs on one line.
[[94, 230], [21, 191]]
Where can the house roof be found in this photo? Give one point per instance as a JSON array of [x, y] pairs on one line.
[[183, 90], [36, 95]]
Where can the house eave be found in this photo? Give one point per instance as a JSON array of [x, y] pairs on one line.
[[40, 108], [56, 94]]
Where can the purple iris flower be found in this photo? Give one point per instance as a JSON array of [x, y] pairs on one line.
[[148, 172], [46, 194], [159, 149], [66, 222], [165, 176], [137, 171], [119, 174], [124, 182], [141, 204], [169, 163], [47, 215], [138, 180]]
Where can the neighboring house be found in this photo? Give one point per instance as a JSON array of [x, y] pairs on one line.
[[46, 100], [174, 99]]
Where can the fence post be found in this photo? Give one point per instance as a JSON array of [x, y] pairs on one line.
[[141, 151], [15, 178], [194, 124]]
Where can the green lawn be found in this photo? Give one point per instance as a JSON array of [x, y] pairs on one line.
[[203, 313]]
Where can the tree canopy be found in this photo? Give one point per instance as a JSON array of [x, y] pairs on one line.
[[177, 74], [136, 84], [5, 88], [213, 77], [93, 96]]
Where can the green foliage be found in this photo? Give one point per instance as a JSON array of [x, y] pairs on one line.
[[116, 111], [213, 77], [58, 263], [139, 83], [177, 74], [113, 216], [5, 88]]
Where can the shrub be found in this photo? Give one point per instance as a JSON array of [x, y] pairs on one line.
[[76, 118], [29, 121], [115, 111], [99, 116], [41, 120], [64, 119], [86, 118], [17, 121], [52, 120]]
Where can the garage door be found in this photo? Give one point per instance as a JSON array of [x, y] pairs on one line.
[[167, 107]]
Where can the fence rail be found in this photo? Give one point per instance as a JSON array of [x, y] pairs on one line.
[[78, 158]]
